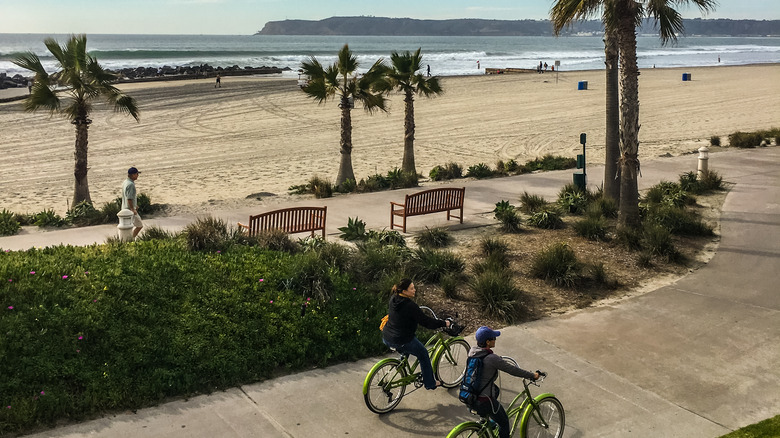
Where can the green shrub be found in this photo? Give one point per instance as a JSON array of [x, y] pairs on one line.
[[449, 284], [668, 193], [48, 218], [657, 240], [373, 183], [531, 203], [745, 139], [689, 182], [599, 275], [557, 264], [387, 237], [433, 238], [348, 186], [8, 223], [496, 294], [550, 162], [277, 240], [155, 233], [84, 214], [479, 171], [644, 259], [593, 228], [375, 262], [25, 218], [629, 237], [715, 140], [511, 166], [449, 171], [500, 168], [317, 186], [573, 202], [546, 218], [678, 220], [397, 178], [497, 261], [355, 230], [207, 234], [429, 265], [339, 257], [710, 180], [145, 205], [110, 209], [508, 216], [493, 245]]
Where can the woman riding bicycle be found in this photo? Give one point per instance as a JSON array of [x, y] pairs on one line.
[[487, 403], [399, 333]]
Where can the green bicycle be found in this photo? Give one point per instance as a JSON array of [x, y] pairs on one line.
[[386, 382], [537, 417]]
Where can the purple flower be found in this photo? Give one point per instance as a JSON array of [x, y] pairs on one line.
[[86, 272], [81, 337], [64, 277], [10, 307], [43, 393], [32, 272], [219, 252], [260, 281]]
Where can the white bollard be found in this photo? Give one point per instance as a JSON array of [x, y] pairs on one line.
[[125, 226], [704, 157]]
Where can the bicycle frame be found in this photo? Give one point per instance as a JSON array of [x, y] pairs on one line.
[[437, 342]]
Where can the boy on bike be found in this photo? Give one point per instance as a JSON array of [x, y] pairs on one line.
[[487, 402]]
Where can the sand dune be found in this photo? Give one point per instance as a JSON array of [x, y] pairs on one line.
[[201, 148]]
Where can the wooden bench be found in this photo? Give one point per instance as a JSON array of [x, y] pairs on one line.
[[290, 220], [428, 201]]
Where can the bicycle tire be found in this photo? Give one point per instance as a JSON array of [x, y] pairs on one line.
[[470, 429], [379, 399], [450, 366], [553, 414]]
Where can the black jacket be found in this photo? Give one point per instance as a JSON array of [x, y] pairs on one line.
[[405, 314]]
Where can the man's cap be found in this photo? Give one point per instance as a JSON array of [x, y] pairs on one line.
[[132, 170], [484, 333]]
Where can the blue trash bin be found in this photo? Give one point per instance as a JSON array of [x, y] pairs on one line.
[[582, 85]]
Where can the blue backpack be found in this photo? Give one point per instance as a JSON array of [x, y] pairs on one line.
[[468, 387]]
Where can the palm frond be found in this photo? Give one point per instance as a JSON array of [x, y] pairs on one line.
[[566, 12], [126, 105], [428, 87], [312, 68], [30, 61], [347, 62], [42, 97]]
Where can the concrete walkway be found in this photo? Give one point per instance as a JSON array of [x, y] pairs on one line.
[[696, 358]]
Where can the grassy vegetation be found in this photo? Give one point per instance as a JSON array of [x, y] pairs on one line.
[[768, 428]]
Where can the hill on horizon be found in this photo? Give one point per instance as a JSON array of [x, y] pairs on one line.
[[383, 26]]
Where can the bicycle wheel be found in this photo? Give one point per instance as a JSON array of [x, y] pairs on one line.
[[380, 398], [470, 430], [450, 363], [551, 412]]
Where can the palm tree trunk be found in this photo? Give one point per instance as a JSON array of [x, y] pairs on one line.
[[81, 190], [408, 162], [628, 213], [612, 143], [345, 166]]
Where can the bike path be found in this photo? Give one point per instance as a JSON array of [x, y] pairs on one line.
[[695, 358]]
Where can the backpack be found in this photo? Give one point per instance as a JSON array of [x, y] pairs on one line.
[[468, 387]]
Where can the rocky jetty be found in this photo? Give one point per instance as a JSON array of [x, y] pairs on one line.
[[15, 81]]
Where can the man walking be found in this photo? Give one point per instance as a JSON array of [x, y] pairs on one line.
[[130, 200]]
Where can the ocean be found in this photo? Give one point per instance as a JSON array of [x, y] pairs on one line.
[[447, 56]]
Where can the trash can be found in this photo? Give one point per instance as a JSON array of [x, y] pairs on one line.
[[579, 180], [686, 77], [582, 85]]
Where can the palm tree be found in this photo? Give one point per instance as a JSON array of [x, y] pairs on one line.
[[341, 79], [624, 16], [81, 80], [612, 134], [404, 77]]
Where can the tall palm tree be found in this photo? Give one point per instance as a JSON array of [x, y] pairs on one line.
[[80, 80], [341, 79], [612, 134], [406, 77], [624, 16]]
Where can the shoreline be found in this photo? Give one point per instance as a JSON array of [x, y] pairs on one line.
[[202, 149]]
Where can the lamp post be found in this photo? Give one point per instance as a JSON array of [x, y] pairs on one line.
[[125, 226], [704, 157]]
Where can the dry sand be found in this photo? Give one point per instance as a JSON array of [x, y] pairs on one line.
[[201, 148]]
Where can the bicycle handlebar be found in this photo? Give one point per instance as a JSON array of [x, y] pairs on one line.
[[542, 374]]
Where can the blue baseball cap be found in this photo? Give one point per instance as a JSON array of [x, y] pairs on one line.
[[484, 333], [132, 170]]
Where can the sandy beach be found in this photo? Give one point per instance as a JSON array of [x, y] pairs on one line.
[[201, 148]]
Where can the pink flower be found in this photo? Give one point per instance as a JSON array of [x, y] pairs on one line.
[[78, 351], [354, 288], [86, 272], [32, 272], [260, 281], [10, 280], [10, 307], [7, 407], [219, 252], [94, 301], [271, 302], [308, 299], [43, 393], [64, 277], [81, 337]]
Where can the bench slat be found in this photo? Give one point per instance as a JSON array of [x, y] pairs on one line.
[[290, 220], [428, 201]]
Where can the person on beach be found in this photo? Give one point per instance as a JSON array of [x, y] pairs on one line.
[[487, 401], [545, 66], [539, 69], [477, 64], [399, 332], [218, 83], [130, 199], [429, 70]]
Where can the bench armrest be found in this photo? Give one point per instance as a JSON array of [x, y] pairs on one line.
[[246, 227], [395, 203]]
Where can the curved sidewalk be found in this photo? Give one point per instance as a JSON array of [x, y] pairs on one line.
[[696, 358]]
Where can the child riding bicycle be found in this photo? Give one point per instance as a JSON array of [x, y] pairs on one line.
[[487, 404]]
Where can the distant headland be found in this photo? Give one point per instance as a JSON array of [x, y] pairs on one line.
[[366, 25]]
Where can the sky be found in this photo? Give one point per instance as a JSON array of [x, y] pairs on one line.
[[245, 17]]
